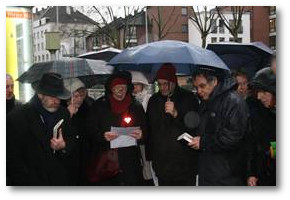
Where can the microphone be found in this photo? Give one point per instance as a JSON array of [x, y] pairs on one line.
[[191, 119]]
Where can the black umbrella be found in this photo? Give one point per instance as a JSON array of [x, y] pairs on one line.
[[250, 56]]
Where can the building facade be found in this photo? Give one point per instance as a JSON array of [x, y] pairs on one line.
[[72, 26], [163, 23]]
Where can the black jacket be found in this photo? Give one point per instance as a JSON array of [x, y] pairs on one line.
[[262, 133], [224, 119], [29, 158], [100, 120], [77, 161], [171, 159], [12, 104]]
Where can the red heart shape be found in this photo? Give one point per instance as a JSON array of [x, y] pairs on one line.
[[127, 119]]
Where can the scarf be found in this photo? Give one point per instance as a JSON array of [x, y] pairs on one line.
[[49, 118], [119, 107]]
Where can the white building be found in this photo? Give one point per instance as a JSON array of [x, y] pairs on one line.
[[219, 33], [72, 25]]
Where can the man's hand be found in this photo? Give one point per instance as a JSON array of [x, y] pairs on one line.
[[170, 108], [72, 109], [58, 143], [110, 135], [252, 181], [195, 143], [137, 134]]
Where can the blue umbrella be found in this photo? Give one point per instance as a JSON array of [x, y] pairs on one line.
[[250, 56], [149, 57]]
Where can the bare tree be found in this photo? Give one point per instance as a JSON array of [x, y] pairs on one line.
[[114, 23], [202, 20], [164, 27], [234, 25]]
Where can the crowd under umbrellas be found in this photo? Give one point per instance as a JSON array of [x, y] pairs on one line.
[[94, 67], [158, 59]]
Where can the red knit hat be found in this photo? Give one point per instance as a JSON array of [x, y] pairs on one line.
[[167, 72], [118, 81]]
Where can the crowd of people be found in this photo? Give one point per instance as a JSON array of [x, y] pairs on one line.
[[128, 137]]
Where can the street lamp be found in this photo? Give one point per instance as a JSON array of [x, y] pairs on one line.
[[52, 43]]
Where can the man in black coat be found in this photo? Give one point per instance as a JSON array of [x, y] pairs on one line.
[[11, 102], [173, 162], [34, 153], [222, 130]]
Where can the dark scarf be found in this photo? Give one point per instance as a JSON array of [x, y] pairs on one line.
[[119, 107], [49, 118]]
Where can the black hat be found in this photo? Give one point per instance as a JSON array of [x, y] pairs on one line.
[[265, 80], [51, 84]]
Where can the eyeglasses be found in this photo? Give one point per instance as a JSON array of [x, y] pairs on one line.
[[119, 88]]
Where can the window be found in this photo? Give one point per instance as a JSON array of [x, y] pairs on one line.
[[47, 57], [42, 46], [232, 25], [272, 25], [132, 32], [38, 47], [35, 58], [39, 59], [273, 42], [221, 26], [37, 35], [184, 11], [184, 28], [43, 59], [213, 26], [213, 40], [272, 10], [239, 40], [221, 39], [41, 34]]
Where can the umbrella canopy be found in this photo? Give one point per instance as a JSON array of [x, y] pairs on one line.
[[250, 56], [149, 57], [89, 71], [105, 54]]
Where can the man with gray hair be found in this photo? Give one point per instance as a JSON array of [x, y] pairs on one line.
[[11, 102], [36, 146], [222, 131]]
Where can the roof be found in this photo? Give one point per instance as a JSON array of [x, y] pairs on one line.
[[74, 17]]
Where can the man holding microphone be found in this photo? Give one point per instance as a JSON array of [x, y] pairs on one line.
[[174, 163]]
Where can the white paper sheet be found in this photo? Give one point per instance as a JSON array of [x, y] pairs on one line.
[[123, 140]]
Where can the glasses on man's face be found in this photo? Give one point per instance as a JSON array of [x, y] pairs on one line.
[[163, 84]]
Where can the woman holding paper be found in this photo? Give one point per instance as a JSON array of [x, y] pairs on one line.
[[117, 121]]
